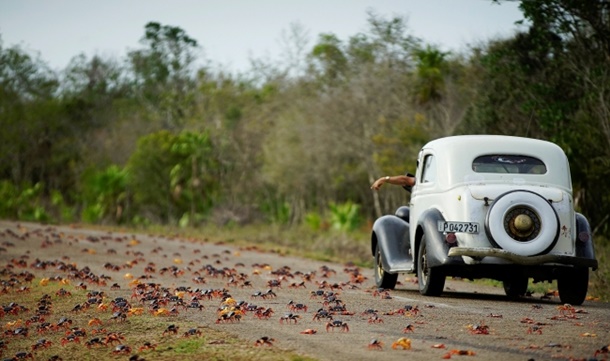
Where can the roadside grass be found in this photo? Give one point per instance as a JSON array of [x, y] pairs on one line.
[[600, 279], [324, 245], [136, 330]]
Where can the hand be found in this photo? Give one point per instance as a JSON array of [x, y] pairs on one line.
[[378, 183]]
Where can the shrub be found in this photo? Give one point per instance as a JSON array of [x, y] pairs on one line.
[[172, 175], [345, 217]]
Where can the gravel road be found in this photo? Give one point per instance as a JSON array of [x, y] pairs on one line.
[[467, 317]]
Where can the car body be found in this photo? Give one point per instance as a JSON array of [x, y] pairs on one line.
[[488, 206]]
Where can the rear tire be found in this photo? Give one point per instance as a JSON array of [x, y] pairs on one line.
[[383, 279], [431, 280], [515, 286], [572, 285]]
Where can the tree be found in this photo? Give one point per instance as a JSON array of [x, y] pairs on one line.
[[35, 139], [95, 93], [322, 146], [173, 177], [163, 72], [551, 82], [431, 68], [328, 56], [194, 176]]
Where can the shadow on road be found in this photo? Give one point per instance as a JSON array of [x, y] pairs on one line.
[[478, 294]]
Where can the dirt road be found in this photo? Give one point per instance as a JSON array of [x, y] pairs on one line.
[[467, 317]]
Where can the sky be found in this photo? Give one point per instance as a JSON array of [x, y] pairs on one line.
[[230, 32]]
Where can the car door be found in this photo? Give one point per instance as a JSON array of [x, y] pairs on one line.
[[423, 191]]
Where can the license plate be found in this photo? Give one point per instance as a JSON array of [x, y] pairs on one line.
[[458, 227]]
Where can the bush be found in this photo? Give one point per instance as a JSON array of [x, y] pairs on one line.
[[22, 202], [105, 195], [314, 221], [171, 176], [600, 279], [345, 217]]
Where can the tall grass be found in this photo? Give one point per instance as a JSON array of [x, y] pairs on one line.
[[600, 279], [326, 245]]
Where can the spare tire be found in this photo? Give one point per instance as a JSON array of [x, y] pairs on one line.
[[522, 222]]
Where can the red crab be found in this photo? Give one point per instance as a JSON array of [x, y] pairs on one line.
[[264, 341], [375, 345], [337, 323]]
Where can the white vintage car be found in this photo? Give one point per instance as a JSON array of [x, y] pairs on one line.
[[487, 206]]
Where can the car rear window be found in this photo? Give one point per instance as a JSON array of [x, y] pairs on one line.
[[498, 163]]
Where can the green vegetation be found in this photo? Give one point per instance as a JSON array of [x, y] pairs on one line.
[[153, 139], [600, 279]]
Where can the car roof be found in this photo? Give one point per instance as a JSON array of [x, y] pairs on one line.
[[456, 153]]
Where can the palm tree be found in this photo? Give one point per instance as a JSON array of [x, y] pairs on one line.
[[430, 71]]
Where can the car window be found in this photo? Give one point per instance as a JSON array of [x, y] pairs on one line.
[[498, 163], [429, 169]]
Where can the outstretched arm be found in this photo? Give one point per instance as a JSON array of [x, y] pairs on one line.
[[401, 180]]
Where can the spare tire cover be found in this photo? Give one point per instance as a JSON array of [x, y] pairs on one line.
[[536, 239]]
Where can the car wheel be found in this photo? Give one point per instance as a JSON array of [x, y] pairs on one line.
[[572, 286], [515, 286], [431, 280], [522, 222], [383, 279]]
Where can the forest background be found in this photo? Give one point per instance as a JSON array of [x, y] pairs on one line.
[[152, 139]]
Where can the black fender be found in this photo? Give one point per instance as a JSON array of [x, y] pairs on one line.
[[584, 238], [391, 234], [403, 212], [436, 248]]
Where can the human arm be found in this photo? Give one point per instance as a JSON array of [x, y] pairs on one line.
[[401, 180]]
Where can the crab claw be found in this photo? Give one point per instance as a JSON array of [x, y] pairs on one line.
[[403, 342], [309, 331]]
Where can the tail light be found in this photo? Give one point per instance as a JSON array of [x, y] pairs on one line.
[[584, 237], [451, 239]]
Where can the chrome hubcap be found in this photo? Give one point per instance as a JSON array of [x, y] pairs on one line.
[[424, 269], [379, 266], [522, 224]]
